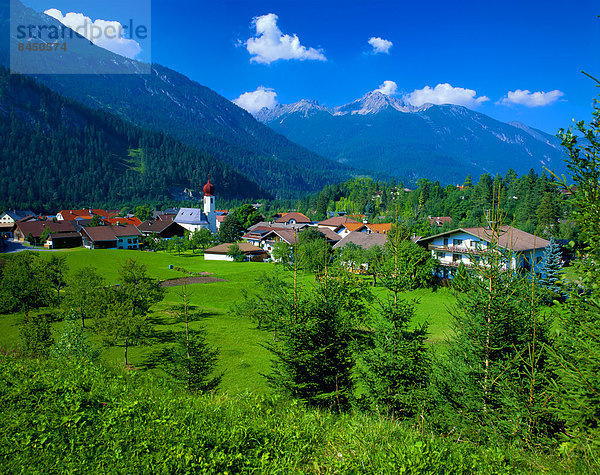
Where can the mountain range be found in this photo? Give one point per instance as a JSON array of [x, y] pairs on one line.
[[387, 134], [168, 102]]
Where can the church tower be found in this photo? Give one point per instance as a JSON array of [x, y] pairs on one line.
[[209, 205]]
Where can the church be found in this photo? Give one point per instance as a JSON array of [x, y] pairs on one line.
[[193, 219]]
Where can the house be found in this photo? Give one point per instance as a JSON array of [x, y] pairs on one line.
[[111, 237], [166, 227], [382, 228], [266, 237], [462, 245], [293, 218], [439, 220], [35, 230], [83, 214], [252, 253], [275, 225], [193, 219], [9, 218], [344, 229], [63, 240], [362, 239], [335, 222]]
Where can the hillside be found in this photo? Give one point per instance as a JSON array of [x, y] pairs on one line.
[[57, 153], [444, 142], [169, 102]]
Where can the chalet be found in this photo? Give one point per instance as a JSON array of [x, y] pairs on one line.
[[166, 228], [293, 218], [34, 230], [266, 237], [111, 237], [344, 229], [9, 218], [335, 222], [252, 253], [460, 246]]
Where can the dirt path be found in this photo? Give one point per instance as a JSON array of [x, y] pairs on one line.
[[203, 279]]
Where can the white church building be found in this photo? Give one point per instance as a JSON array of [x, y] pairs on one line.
[[193, 219]]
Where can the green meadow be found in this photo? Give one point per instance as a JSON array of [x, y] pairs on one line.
[[243, 358]]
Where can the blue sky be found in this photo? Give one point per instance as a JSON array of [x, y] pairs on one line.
[[488, 50]]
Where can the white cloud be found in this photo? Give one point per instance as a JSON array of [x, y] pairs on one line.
[[445, 94], [531, 99], [106, 34], [388, 88], [256, 100], [270, 44], [380, 45]]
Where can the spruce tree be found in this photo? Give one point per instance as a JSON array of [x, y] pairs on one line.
[[577, 352], [190, 360], [314, 361], [551, 271], [491, 382]]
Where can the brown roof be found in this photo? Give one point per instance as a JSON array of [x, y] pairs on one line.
[[245, 247], [155, 225], [298, 217], [36, 228], [364, 240], [110, 233], [99, 233], [337, 221], [125, 230], [510, 238], [330, 235], [64, 235]]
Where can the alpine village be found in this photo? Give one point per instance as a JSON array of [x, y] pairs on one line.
[[197, 279]]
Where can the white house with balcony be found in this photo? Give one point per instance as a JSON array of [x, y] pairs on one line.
[[464, 245]]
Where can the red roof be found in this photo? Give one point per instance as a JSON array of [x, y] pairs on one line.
[[135, 221]]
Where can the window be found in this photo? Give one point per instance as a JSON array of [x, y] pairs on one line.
[[445, 241], [457, 242], [456, 257], [440, 255], [129, 241]]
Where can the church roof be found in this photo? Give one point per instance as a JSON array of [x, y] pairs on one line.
[[191, 216]]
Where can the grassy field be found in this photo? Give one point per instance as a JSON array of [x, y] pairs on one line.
[[243, 358]]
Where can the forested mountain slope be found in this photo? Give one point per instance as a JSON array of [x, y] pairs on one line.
[[57, 153]]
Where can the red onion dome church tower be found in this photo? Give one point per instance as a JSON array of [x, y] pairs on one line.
[[209, 205]]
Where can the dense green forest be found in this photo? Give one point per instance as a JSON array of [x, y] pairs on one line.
[[534, 203], [57, 153]]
